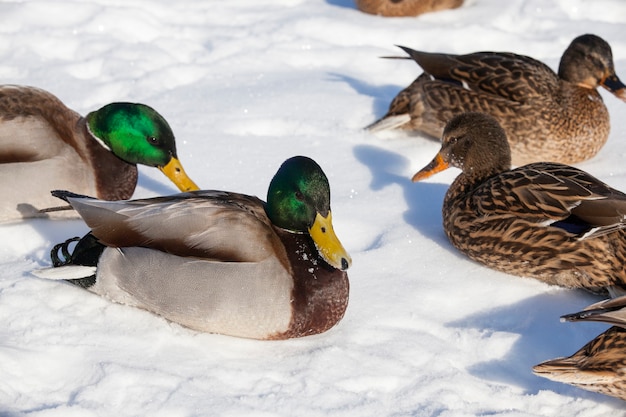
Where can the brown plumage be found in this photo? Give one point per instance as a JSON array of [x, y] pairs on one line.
[[547, 116], [548, 221], [397, 8], [599, 366], [44, 145]]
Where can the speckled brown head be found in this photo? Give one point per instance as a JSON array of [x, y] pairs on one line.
[[588, 63], [473, 142]]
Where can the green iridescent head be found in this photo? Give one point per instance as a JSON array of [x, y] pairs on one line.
[[298, 200], [138, 134], [134, 132]]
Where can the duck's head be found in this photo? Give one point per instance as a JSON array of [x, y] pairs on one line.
[[298, 200], [588, 62], [473, 142], [138, 134]]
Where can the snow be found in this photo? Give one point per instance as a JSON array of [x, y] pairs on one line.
[[245, 84]]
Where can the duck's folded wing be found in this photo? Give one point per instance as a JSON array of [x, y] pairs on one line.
[[554, 195], [503, 74], [213, 225]]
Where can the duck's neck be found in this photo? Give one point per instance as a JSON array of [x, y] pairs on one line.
[[320, 293], [464, 185], [116, 179]]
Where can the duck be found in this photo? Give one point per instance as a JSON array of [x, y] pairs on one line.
[[217, 261], [548, 116], [399, 8], [612, 311], [545, 220], [599, 366], [44, 146]]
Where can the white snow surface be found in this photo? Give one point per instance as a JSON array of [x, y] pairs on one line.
[[245, 84]]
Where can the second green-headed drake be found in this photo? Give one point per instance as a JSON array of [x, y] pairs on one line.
[[218, 261], [546, 116], [44, 146]]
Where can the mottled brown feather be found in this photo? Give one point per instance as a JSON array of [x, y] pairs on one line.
[[547, 117], [599, 366], [396, 8], [548, 221]]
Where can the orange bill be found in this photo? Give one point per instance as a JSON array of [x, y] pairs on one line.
[[435, 166], [615, 86]]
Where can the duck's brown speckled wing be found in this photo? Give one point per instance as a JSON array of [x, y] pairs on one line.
[[215, 225], [554, 194], [506, 75]]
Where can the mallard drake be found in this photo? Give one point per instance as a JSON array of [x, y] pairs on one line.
[[544, 220], [218, 261], [46, 146], [599, 366], [397, 8], [547, 116]]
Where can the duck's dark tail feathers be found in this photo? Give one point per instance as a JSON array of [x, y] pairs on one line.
[[63, 195], [77, 267]]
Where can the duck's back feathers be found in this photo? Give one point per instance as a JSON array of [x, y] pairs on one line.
[[513, 77], [214, 225], [548, 193]]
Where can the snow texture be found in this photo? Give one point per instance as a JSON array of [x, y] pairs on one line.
[[245, 84]]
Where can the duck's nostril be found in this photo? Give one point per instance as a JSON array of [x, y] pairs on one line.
[[344, 264]]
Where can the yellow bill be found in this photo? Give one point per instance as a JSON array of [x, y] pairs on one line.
[[175, 172], [327, 242]]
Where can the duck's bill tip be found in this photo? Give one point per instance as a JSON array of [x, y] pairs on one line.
[[435, 166], [175, 172], [615, 86]]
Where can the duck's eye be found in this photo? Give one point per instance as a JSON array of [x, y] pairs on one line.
[[299, 196], [153, 140]]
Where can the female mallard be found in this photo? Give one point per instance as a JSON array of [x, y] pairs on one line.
[[547, 117], [396, 8], [545, 220], [46, 146], [600, 365], [217, 261]]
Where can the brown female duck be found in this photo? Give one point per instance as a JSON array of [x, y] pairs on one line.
[[600, 365], [548, 221], [397, 8], [44, 146], [547, 116]]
